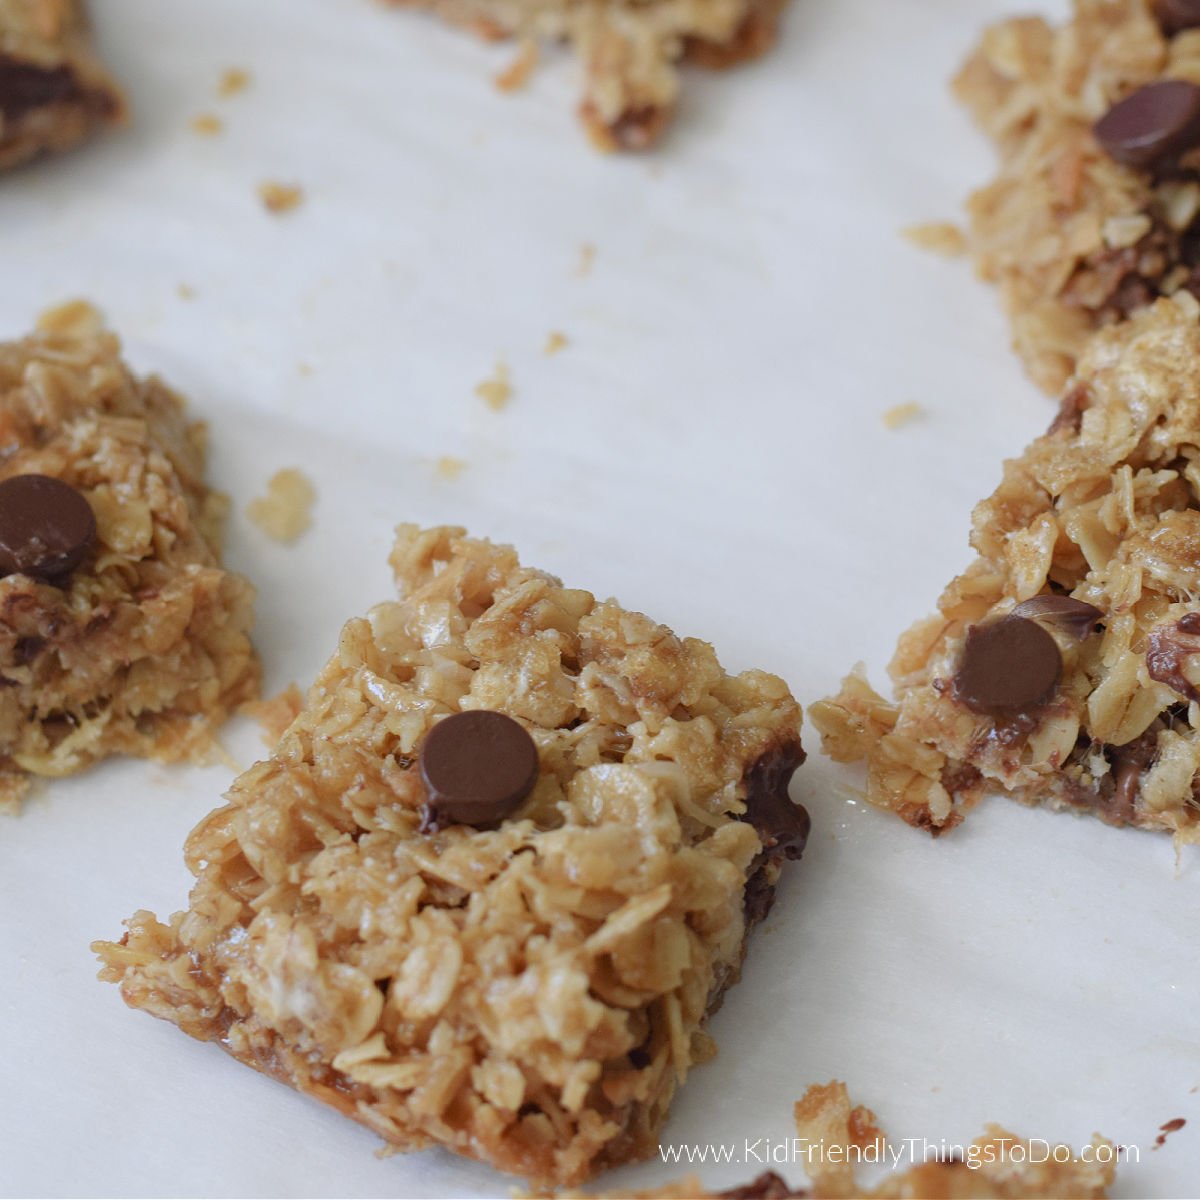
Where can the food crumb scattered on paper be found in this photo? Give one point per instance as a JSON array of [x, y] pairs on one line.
[[185, 291], [555, 341], [449, 468], [233, 80], [902, 414], [587, 259], [304, 368], [938, 237], [75, 318], [280, 197], [516, 75], [207, 124], [285, 512], [1170, 1127], [497, 391], [276, 713]]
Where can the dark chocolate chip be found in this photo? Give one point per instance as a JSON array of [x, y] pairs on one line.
[[1155, 122], [1007, 666], [25, 86], [767, 1186], [1075, 618], [782, 825], [1070, 410], [1168, 647], [477, 766], [1177, 15], [46, 527]]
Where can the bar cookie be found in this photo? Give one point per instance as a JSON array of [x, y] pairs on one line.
[[1063, 666], [120, 633], [1094, 212], [631, 50], [54, 92], [495, 875]]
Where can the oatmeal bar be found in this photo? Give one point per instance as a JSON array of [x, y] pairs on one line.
[[631, 49], [119, 631], [495, 875], [53, 90], [1063, 666], [1093, 213]]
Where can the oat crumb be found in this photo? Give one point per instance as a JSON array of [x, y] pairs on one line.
[[185, 291], [555, 341], [276, 713], [233, 80], [516, 75], [449, 468], [207, 124], [285, 512], [497, 391], [280, 197], [75, 318], [304, 368], [587, 259], [939, 237], [902, 414]]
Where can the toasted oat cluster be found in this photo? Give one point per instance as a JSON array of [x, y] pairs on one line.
[[1063, 666], [837, 1137], [631, 49], [53, 90], [527, 990], [134, 640], [1093, 213]]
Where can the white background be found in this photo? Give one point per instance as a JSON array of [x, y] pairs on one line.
[[709, 449]]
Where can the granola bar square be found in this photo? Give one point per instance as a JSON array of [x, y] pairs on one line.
[[528, 990], [136, 641]]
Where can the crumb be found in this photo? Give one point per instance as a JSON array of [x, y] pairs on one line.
[[185, 291], [939, 237], [449, 468], [207, 125], [280, 197], [1165, 1130], [304, 368], [587, 258], [233, 80], [555, 342], [75, 318], [516, 75], [285, 512], [275, 714], [902, 414], [497, 391]]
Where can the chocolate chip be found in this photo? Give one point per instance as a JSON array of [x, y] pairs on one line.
[[477, 766], [1177, 15], [1075, 618], [1007, 667], [1070, 410], [1168, 647], [767, 1186], [1155, 122], [46, 527], [782, 825], [25, 86]]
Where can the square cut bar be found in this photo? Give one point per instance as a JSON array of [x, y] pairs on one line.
[[528, 993], [631, 49], [1095, 533], [54, 92], [1075, 238], [143, 649]]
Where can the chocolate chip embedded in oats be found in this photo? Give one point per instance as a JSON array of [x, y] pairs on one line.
[[1177, 15], [1168, 648], [25, 86], [1076, 618], [780, 824], [477, 767], [767, 1186], [1153, 123], [1007, 667], [46, 527]]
